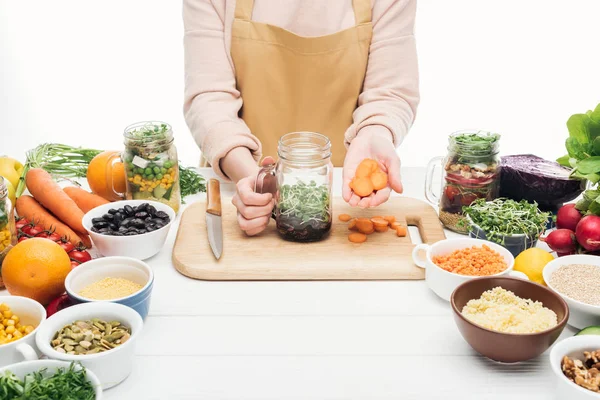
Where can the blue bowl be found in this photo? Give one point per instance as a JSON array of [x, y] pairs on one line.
[[113, 267]]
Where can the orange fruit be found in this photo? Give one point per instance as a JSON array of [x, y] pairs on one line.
[[36, 268], [103, 174]]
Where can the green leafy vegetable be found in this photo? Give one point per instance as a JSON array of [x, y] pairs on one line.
[[65, 384], [307, 202], [475, 147], [60, 160], [503, 217], [191, 182]]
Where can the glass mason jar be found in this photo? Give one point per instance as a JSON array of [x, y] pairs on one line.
[[471, 170], [8, 234], [151, 163], [301, 182]]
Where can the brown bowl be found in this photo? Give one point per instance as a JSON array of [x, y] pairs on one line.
[[508, 347]]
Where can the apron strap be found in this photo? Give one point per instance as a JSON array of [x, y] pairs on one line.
[[243, 9], [362, 11]]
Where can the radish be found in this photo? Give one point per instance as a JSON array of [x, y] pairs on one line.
[[568, 217], [588, 232], [562, 241]]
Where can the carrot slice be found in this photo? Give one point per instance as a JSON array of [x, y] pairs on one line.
[[401, 231], [363, 187], [352, 224], [379, 222], [357, 237], [395, 225], [345, 217], [364, 225], [390, 219], [379, 180], [379, 228]]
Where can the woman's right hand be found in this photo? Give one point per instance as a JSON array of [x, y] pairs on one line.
[[254, 209]]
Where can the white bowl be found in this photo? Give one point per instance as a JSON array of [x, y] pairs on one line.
[[30, 312], [112, 366], [114, 267], [24, 368], [582, 315], [574, 348], [443, 282], [138, 246]]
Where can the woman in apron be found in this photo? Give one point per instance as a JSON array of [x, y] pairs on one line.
[[257, 69]]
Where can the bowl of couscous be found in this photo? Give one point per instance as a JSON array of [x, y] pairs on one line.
[[508, 319], [122, 280]]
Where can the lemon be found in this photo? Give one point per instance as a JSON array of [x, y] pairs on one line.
[[531, 262]]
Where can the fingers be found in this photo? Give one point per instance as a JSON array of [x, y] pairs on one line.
[[251, 212], [267, 160], [380, 197], [246, 193], [253, 226], [394, 176]]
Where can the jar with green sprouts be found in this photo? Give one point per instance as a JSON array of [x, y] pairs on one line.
[[151, 163]]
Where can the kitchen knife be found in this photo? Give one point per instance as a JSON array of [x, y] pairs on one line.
[[214, 224]]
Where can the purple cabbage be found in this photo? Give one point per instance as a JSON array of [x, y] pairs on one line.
[[533, 178]]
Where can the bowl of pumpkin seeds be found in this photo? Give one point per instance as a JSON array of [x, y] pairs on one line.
[[100, 335]]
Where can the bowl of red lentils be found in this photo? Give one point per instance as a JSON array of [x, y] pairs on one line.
[[122, 280], [576, 279], [19, 320]]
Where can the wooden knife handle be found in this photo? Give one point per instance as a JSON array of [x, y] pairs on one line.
[[213, 196]]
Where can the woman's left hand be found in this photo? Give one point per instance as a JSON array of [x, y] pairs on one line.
[[378, 146]]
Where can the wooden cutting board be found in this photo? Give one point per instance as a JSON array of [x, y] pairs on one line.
[[268, 257]]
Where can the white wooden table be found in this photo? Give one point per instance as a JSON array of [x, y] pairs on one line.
[[312, 340]]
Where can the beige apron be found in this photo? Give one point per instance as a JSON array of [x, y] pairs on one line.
[[290, 83]]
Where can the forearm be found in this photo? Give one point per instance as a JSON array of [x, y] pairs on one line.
[[238, 164]]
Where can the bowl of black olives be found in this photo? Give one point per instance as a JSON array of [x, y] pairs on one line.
[[129, 228]]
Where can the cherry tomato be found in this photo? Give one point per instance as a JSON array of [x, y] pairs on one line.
[[468, 198], [26, 229], [61, 302], [23, 238], [21, 223], [54, 237], [67, 246], [36, 231], [43, 235], [75, 264], [80, 255], [451, 192]]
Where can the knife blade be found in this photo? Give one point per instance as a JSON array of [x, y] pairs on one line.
[[214, 224]]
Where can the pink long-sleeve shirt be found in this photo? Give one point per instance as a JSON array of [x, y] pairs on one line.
[[389, 98]]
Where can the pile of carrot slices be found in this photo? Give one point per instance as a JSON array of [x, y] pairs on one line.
[[361, 227]]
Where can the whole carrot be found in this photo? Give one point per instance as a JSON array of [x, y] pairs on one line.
[[84, 200], [29, 208], [51, 196]]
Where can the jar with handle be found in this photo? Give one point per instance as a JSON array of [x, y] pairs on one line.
[[301, 183], [470, 171], [150, 164]]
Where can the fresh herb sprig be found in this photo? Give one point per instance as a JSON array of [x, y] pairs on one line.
[[307, 202], [65, 384], [503, 217], [190, 182]]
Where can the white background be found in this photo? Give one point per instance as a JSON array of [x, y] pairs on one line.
[[78, 72]]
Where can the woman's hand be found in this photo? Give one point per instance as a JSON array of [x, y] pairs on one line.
[[378, 146], [254, 209]]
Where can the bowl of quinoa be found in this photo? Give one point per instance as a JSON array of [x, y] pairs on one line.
[[508, 319], [576, 279], [122, 280]]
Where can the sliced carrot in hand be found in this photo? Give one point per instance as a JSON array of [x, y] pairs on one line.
[[344, 217], [363, 187], [357, 237], [379, 179]]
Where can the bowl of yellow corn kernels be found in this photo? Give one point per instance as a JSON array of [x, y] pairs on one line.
[[19, 320]]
